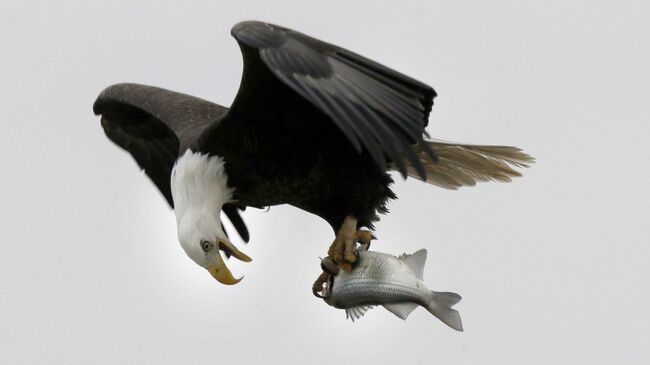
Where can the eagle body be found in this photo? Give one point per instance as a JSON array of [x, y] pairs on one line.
[[313, 125], [300, 159]]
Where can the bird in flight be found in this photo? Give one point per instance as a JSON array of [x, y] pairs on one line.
[[313, 125]]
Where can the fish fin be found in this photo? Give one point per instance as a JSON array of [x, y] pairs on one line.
[[446, 298], [401, 310], [355, 313], [416, 261], [440, 306]]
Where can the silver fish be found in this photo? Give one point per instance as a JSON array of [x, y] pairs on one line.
[[393, 282]]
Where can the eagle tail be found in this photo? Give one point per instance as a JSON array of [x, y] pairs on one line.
[[464, 165]]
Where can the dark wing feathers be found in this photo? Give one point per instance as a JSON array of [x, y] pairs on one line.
[[183, 115], [376, 108], [151, 143], [155, 125]]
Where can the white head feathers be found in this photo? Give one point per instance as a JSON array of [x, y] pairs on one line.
[[199, 187]]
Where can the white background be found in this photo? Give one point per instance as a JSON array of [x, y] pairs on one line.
[[553, 268]]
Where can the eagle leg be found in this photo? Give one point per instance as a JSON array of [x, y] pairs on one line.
[[344, 250]]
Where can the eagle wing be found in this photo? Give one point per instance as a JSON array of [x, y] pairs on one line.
[[376, 108], [154, 125]]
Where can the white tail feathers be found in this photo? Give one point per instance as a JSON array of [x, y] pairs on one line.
[[440, 306], [465, 165]]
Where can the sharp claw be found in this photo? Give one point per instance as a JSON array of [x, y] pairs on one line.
[[316, 294], [318, 284], [364, 247], [364, 236]]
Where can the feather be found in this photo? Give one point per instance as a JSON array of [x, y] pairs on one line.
[[376, 108], [465, 165]]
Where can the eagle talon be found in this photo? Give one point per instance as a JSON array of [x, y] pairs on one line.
[[350, 252], [343, 252], [364, 237], [317, 287], [345, 266], [316, 294], [344, 249]]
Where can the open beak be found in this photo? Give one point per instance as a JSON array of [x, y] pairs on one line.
[[218, 268]]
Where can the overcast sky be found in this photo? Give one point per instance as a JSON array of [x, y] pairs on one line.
[[553, 268]]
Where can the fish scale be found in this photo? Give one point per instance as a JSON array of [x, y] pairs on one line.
[[377, 273], [393, 282], [365, 292]]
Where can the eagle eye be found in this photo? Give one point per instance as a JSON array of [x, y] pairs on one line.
[[206, 245]]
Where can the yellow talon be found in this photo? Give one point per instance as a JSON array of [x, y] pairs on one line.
[[344, 248]]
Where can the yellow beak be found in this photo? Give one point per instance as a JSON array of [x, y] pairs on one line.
[[218, 268]]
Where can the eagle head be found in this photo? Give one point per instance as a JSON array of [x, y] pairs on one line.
[[203, 240], [199, 186]]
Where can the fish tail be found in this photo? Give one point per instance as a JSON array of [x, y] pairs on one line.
[[440, 304]]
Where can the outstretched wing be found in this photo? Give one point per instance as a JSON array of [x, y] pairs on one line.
[[155, 125], [376, 108]]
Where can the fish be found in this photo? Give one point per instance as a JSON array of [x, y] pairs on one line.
[[390, 281]]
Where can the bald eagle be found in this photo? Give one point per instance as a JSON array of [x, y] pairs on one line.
[[313, 125]]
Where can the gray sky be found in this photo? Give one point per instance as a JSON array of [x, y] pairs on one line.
[[553, 268]]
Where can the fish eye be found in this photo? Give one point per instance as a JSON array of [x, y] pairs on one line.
[[206, 245]]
